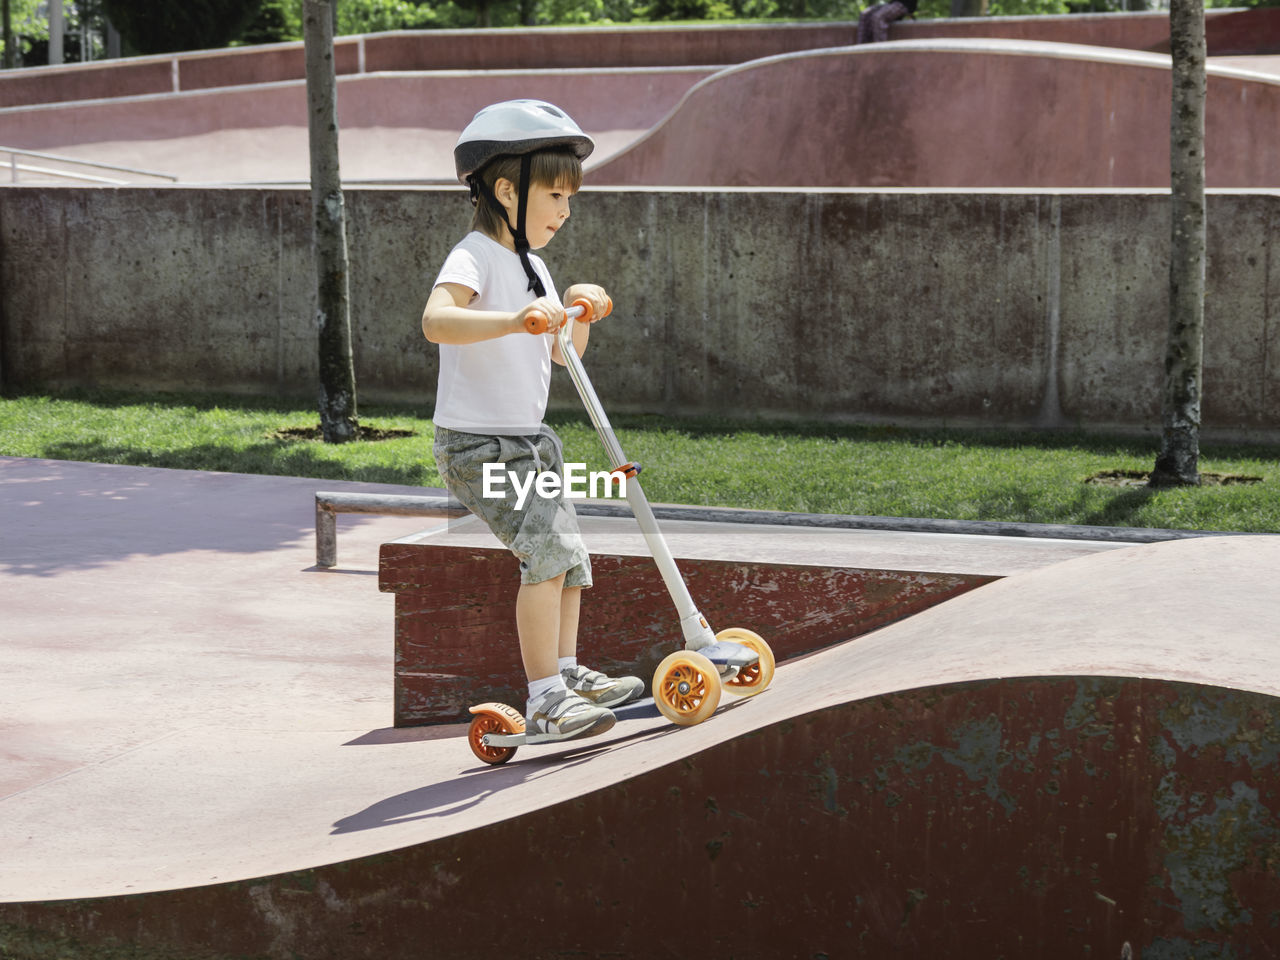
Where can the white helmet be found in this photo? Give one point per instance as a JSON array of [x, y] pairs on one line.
[[516, 127]]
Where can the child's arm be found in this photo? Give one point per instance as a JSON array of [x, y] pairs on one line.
[[448, 319], [600, 305]]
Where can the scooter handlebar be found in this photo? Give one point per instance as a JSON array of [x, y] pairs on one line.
[[536, 321]]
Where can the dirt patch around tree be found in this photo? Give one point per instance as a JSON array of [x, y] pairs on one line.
[[1139, 478]]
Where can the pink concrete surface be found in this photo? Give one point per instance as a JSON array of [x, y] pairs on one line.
[[391, 126], [199, 743], [1019, 114], [541, 48], [176, 663], [1015, 114], [1227, 32]]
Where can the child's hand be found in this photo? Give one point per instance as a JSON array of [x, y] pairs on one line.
[[601, 305], [545, 307]]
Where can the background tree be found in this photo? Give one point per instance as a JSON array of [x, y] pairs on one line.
[[337, 389], [1178, 462], [6, 14]]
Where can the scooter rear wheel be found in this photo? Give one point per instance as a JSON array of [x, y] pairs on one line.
[[757, 677], [487, 722], [686, 688]]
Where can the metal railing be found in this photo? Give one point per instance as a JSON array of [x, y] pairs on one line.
[[17, 169]]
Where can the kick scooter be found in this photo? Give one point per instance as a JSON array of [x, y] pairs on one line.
[[687, 684]]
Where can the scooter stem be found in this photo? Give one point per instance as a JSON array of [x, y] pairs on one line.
[[697, 633]]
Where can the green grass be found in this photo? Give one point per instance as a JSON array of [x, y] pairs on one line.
[[814, 468]]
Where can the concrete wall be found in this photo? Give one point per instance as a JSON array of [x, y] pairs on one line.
[[1015, 308], [1228, 32]]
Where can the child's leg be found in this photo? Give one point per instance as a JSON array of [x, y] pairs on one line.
[[570, 607], [553, 712], [540, 625]]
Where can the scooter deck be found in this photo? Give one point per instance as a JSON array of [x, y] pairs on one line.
[[644, 709]]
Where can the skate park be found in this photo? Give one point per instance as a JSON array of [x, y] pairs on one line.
[[975, 744]]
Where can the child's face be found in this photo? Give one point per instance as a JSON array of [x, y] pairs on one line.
[[547, 210]]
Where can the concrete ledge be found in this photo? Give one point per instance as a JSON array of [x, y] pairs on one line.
[[801, 588], [329, 504]]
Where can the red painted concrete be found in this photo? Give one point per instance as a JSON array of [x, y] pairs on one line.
[[1227, 32], [455, 594], [597, 46], [1019, 113], [390, 126], [889, 795], [434, 50], [91, 81], [269, 63], [1016, 114]]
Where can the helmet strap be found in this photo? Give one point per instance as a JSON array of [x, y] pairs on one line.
[[480, 188], [518, 234]]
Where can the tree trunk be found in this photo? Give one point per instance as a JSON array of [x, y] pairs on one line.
[[7, 25], [337, 394], [1178, 462], [968, 8], [57, 30]]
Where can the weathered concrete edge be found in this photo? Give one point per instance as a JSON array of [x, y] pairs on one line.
[[443, 506]]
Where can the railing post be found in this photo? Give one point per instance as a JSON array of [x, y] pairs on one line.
[[326, 535]]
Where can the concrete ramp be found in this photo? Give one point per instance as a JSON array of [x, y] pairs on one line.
[[1073, 758], [954, 113], [396, 126]]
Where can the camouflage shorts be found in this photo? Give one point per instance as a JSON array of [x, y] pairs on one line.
[[543, 533]]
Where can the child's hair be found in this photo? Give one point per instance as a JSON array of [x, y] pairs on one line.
[[553, 167]]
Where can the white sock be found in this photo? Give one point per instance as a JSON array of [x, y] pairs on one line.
[[540, 688], [567, 662]]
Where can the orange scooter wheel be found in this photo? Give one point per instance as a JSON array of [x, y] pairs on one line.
[[493, 718], [755, 678], [686, 688]]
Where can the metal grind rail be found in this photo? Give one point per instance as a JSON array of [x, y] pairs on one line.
[[16, 169]]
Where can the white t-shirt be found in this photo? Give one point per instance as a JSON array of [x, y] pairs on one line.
[[495, 386]]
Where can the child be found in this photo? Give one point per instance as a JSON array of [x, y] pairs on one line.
[[523, 161]]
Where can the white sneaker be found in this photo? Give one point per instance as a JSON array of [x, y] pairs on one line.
[[601, 690], [562, 715]]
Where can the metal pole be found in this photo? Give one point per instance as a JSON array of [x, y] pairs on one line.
[[56, 29]]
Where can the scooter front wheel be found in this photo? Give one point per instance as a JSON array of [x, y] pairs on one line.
[[686, 688], [755, 678]]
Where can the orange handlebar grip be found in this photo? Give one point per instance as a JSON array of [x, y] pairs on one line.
[[585, 304], [535, 322]]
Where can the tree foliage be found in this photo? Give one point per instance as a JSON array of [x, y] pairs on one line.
[[155, 26], [165, 26]]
